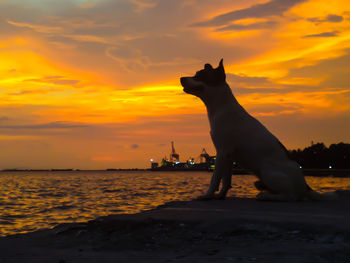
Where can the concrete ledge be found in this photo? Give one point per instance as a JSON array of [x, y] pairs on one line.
[[233, 230]]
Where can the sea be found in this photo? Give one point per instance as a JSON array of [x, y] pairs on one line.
[[35, 200]]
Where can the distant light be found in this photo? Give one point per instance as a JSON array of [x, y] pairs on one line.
[[300, 167], [151, 160], [177, 162], [330, 167]]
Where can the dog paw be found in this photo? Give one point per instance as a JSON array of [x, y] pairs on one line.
[[259, 185]]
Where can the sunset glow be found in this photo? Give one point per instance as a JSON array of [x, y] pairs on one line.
[[95, 84]]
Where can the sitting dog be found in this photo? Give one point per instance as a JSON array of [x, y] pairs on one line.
[[239, 136]]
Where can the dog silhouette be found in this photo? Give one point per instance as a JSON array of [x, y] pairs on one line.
[[239, 136]]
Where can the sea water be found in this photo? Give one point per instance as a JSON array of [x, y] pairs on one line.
[[35, 200]]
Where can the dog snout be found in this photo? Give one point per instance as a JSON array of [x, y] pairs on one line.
[[183, 81]]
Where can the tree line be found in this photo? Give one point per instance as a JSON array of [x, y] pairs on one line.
[[318, 156]]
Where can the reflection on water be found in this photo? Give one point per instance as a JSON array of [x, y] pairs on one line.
[[34, 200]]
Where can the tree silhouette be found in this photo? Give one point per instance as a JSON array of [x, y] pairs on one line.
[[318, 156]]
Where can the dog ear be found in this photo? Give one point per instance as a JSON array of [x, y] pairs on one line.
[[221, 64], [208, 66], [220, 71]]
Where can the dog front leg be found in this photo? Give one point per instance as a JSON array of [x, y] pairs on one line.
[[223, 166], [226, 177], [213, 187]]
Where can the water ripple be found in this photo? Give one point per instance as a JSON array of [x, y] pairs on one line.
[[34, 200]]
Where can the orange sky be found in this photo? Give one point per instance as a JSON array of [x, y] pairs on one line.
[[95, 84]]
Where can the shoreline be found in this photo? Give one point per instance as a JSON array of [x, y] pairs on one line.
[[342, 173], [232, 230]]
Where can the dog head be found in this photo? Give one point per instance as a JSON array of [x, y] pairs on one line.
[[203, 83]]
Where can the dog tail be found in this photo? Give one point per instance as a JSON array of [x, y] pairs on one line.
[[316, 196]]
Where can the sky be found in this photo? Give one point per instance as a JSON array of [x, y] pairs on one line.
[[95, 84]]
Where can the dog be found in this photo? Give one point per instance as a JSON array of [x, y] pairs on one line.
[[238, 136]]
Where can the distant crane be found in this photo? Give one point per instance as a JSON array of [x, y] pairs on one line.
[[204, 156], [173, 155]]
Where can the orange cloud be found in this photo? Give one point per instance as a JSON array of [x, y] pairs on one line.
[[38, 28]]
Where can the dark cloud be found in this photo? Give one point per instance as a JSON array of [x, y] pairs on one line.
[[271, 8], [4, 118], [252, 26], [324, 34], [156, 130], [334, 18], [44, 90], [134, 146], [330, 18], [58, 80]]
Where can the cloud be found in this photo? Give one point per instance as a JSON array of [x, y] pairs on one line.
[[252, 26], [37, 28], [50, 125], [275, 109], [141, 5], [124, 46], [247, 80], [4, 118], [24, 113], [86, 38], [70, 29], [57, 80], [271, 8], [243, 85], [106, 142], [334, 18], [132, 59], [45, 90], [260, 91], [330, 18], [337, 75], [134, 146], [106, 159], [324, 34], [88, 5]]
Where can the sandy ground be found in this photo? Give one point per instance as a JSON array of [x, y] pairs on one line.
[[234, 230]]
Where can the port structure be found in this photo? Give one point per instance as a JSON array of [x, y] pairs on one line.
[[174, 157], [207, 162], [204, 156]]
